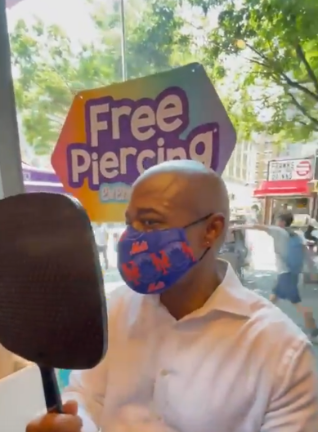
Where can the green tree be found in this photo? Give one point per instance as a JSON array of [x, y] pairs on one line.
[[50, 69], [262, 57], [274, 44]]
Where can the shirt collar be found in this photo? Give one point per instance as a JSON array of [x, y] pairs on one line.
[[229, 297]]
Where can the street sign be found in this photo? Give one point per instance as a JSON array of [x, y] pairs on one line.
[[303, 168], [290, 169], [112, 134]]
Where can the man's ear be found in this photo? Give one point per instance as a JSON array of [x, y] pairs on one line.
[[215, 228]]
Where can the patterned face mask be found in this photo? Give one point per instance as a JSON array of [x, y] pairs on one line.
[[152, 262]]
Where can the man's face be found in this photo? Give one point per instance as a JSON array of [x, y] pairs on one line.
[[161, 203]]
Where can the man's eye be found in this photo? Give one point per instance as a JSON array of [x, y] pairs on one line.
[[150, 223]]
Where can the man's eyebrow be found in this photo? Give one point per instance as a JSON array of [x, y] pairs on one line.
[[145, 210]]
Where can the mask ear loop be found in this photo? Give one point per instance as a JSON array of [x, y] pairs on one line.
[[198, 221], [195, 223], [204, 253]]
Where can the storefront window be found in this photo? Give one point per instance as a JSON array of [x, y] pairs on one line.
[[53, 59], [298, 206], [267, 81]]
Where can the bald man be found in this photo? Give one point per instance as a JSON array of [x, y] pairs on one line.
[[190, 349]]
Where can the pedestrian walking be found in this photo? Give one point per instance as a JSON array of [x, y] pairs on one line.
[[290, 252], [101, 237], [116, 240]]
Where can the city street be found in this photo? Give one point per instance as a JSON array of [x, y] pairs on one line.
[[260, 277]]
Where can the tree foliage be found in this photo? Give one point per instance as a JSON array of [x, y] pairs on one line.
[[50, 68], [262, 56], [275, 45]]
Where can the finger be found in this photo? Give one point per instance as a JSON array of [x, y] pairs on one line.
[[70, 407], [56, 423]]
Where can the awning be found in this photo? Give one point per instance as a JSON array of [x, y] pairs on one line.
[[283, 187]]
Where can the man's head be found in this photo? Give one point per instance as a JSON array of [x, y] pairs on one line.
[[285, 220], [177, 194]]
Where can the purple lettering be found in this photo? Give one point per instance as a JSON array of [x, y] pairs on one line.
[[126, 137]]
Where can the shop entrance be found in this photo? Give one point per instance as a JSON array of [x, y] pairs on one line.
[[299, 206]]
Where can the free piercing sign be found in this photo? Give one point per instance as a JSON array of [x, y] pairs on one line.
[[113, 134]]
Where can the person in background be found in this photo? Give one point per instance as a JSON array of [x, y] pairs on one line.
[[290, 254], [283, 209], [116, 239], [312, 232], [101, 237], [256, 213], [190, 349]]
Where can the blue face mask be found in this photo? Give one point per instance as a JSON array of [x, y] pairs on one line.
[[151, 262]]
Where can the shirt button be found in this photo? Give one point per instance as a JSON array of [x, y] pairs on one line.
[[164, 372]]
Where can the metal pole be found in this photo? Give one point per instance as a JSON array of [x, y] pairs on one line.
[[10, 158], [11, 182], [123, 41]]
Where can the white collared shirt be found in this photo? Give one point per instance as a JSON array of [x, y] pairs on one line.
[[238, 364]]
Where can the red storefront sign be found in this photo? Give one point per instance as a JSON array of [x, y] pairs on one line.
[[287, 177], [283, 187]]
